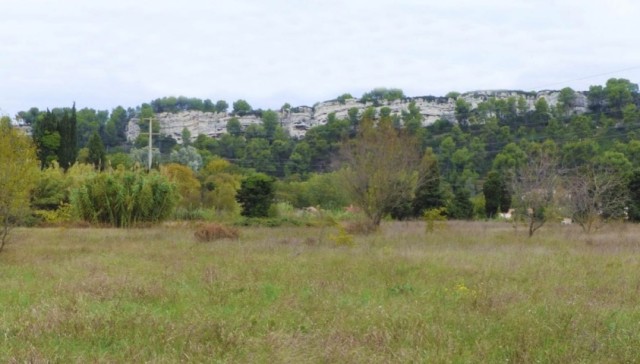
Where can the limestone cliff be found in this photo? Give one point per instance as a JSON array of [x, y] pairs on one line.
[[298, 120]]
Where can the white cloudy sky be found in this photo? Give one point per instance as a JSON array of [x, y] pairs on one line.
[[104, 53]]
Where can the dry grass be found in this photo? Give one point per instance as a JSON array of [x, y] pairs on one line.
[[470, 292], [359, 227], [213, 231]]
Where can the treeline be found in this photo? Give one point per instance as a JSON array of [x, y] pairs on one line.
[[484, 146]]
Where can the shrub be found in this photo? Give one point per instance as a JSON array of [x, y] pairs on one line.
[[62, 215], [187, 185], [211, 232], [270, 222], [343, 238], [124, 198], [433, 216], [182, 213]]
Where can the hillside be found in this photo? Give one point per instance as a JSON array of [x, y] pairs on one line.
[[297, 120]]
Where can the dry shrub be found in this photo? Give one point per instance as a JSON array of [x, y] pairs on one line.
[[360, 227], [211, 232]]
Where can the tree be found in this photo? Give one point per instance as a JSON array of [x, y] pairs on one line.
[[382, 93], [509, 160], [97, 154], [115, 130], [219, 186], [186, 137], [232, 147], [595, 194], [566, 100], [412, 119], [460, 207], [542, 113], [381, 168], [258, 156], [141, 156], [462, 112], [255, 195], [496, 194], [596, 98], [46, 138], [208, 106], [634, 196], [88, 122], [187, 156], [428, 193], [241, 107], [187, 185], [270, 123], [68, 151], [344, 97], [534, 186], [221, 106], [619, 92], [300, 160], [234, 127], [18, 175]]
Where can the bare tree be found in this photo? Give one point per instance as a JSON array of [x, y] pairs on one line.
[[534, 188], [381, 168], [595, 195]]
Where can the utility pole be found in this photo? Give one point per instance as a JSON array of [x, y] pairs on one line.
[[151, 133]]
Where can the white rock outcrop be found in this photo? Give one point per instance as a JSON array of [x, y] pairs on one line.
[[298, 120]]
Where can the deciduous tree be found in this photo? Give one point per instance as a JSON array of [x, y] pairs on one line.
[[18, 175], [534, 186], [381, 168], [595, 194]]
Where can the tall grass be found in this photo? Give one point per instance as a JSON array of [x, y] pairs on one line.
[[470, 292]]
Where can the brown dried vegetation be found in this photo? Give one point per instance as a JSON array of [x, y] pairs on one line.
[[211, 232]]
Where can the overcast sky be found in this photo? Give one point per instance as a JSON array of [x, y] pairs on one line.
[[105, 53]]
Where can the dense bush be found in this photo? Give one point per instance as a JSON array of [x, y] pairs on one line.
[[124, 198], [187, 185], [255, 195], [319, 190]]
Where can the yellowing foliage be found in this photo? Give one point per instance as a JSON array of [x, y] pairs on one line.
[[18, 174], [187, 184], [220, 186]]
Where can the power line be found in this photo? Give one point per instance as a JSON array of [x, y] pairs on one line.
[[586, 77]]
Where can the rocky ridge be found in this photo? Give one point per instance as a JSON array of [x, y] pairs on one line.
[[298, 120]]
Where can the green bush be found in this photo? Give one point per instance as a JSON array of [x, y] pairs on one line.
[[433, 218], [124, 198], [319, 190], [255, 195]]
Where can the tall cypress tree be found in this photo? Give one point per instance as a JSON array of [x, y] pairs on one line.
[[68, 151], [97, 154]]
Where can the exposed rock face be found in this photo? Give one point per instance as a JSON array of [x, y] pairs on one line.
[[298, 120]]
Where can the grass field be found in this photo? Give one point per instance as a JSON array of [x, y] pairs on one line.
[[472, 292]]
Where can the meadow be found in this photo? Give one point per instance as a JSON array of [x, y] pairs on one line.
[[470, 292]]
